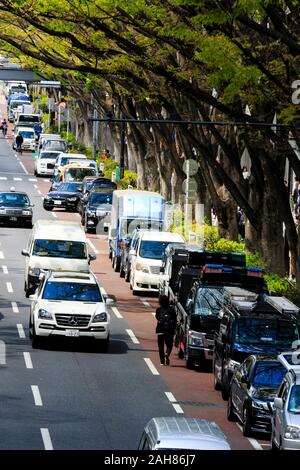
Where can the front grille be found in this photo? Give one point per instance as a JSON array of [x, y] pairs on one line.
[[50, 166], [155, 269], [13, 212], [72, 321]]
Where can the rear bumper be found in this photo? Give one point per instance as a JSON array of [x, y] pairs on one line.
[[45, 171]]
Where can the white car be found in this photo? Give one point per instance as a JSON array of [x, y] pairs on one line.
[[45, 162], [28, 135], [146, 259], [69, 304]]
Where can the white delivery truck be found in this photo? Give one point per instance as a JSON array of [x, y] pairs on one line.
[[132, 209]]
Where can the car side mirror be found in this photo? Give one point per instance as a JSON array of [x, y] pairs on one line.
[[92, 256], [278, 403], [132, 252], [25, 253]]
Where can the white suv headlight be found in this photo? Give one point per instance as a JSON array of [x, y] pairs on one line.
[[100, 317], [142, 267], [45, 314], [292, 432]]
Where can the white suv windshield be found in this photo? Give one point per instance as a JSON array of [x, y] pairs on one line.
[[152, 249], [294, 401], [72, 291]]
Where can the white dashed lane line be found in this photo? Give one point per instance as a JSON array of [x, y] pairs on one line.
[[15, 307], [1, 255], [46, 181], [36, 395], [27, 359], [54, 215], [9, 287], [46, 439], [177, 408], [256, 445], [4, 269], [174, 403], [92, 246], [151, 366], [32, 179], [116, 312], [21, 331], [40, 192], [18, 179], [170, 397], [23, 167], [132, 337], [146, 304], [3, 178], [35, 186]]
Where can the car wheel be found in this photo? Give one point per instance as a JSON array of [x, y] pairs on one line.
[[29, 225], [273, 445], [35, 340], [246, 422], [110, 254], [224, 387], [189, 361], [122, 272], [117, 262], [217, 385], [127, 275], [230, 409], [30, 328], [28, 291], [48, 208]]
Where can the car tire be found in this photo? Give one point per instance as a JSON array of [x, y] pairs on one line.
[[48, 208], [29, 225], [122, 272], [110, 254], [189, 361], [36, 341], [30, 328], [217, 385], [117, 263], [230, 409], [273, 445], [246, 422], [224, 388], [127, 275], [28, 291]]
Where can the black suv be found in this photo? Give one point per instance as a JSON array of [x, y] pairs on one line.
[[252, 391], [249, 325], [96, 208]]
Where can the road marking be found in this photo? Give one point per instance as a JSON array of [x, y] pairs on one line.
[[4, 268], [23, 167], [36, 395], [27, 359], [21, 330], [14, 307], [32, 179], [151, 366], [16, 155], [146, 303], [116, 312], [9, 287], [46, 439], [170, 397], [54, 215], [177, 408], [35, 186], [103, 291], [91, 245], [153, 313], [1, 255], [252, 441], [132, 337], [46, 181], [40, 192], [18, 179], [3, 178]]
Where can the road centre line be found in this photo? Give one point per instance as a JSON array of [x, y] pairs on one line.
[[54, 215], [35, 186], [4, 269], [132, 337], [21, 331], [32, 179], [23, 168], [116, 312], [15, 307], [1, 255], [18, 179], [252, 441], [177, 408], [9, 287], [3, 178], [36, 395], [170, 397], [46, 439], [27, 359], [151, 366], [46, 181]]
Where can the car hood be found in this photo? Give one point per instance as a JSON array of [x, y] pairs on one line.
[[59, 264], [100, 207], [63, 194], [76, 308], [263, 393]]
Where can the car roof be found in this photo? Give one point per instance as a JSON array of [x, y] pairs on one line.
[[72, 276], [13, 192], [58, 230], [161, 236], [181, 432], [73, 155]]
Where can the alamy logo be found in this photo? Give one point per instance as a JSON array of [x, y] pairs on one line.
[[296, 93]]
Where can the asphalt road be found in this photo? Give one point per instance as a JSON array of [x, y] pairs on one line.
[[66, 396]]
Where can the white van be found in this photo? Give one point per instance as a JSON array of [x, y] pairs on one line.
[[146, 259], [45, 162], [27, 119], [55, 245]]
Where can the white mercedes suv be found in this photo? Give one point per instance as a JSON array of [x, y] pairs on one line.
[[69, 304]]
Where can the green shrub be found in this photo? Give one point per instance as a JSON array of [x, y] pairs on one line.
[[283, 286]]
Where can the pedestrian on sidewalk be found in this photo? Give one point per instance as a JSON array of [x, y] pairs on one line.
[[4, 127], [165, 329]]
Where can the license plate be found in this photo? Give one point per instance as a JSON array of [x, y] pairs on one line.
[[72, 333], [13, 219], [57, 203]]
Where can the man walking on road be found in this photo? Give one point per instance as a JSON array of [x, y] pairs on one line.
[[19, 143], [166, 323]]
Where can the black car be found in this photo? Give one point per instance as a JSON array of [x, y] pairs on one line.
[[96, 208], [15, 208], [253, 388], [103, 184], [262, 325], [65, 196]]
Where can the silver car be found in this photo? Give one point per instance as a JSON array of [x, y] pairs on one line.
[[286, 413], [182, 433]]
